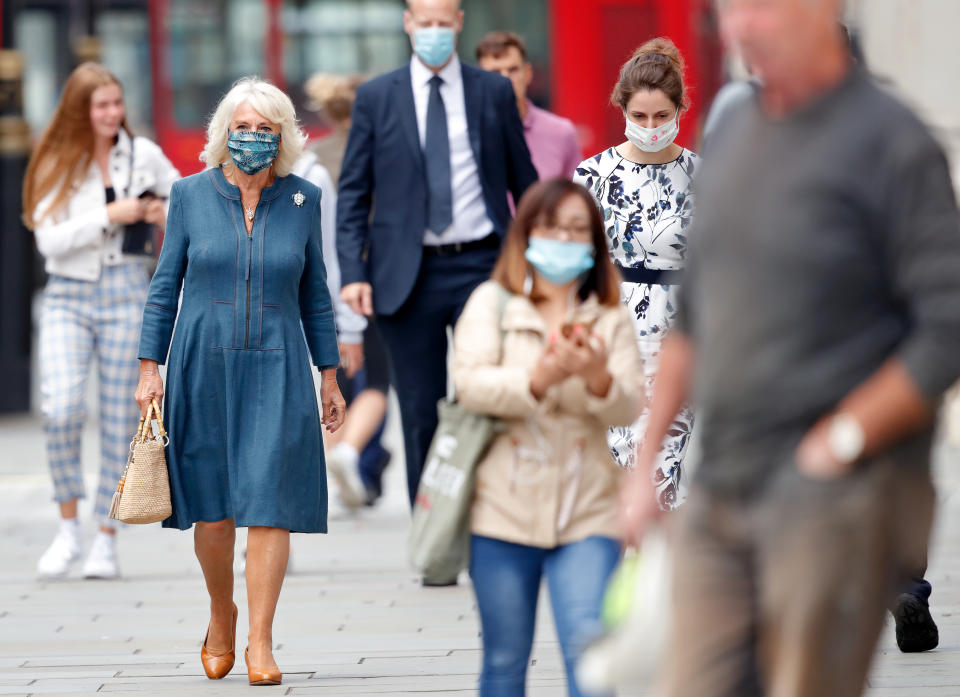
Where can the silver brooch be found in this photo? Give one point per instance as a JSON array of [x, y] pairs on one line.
[[299, 198]]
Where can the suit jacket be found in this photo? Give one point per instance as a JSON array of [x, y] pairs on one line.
[[384, 173]]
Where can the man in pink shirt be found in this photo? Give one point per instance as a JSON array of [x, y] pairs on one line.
[[552, 139]]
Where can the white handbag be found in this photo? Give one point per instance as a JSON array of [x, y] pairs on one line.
[[630, 654]]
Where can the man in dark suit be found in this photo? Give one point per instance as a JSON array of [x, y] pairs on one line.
[[434, 147]]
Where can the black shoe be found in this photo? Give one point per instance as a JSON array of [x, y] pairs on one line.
[[433, 583], [916, 630]]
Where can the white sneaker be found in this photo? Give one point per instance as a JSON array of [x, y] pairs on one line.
[[62, 552], [338, 510], [102, 560], [347, 476]]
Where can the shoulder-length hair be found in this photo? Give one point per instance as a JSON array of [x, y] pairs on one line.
[[272, 104], [65, 151], [538, 206]]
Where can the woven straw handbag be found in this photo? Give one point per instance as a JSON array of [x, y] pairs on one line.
[[143, 492]]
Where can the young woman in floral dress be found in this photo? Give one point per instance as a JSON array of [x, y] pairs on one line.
[[643, 188]]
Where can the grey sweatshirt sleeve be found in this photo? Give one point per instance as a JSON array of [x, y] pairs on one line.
[[730, 97], [923, 254], [350, 325]]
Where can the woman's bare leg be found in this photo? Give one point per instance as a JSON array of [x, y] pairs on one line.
[[68, 509], [268, 550], [213, 544]]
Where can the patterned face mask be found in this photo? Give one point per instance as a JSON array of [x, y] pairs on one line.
[[253, 151]]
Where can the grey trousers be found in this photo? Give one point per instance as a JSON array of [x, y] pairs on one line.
[[784, 595]]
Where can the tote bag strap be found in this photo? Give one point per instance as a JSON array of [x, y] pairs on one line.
[[503, 297], [129, 188]]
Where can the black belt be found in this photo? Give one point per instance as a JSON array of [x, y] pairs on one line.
[[491, 241], [653, 277]]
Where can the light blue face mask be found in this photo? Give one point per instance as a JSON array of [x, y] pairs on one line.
[[434, 45], [558, 261], [253, 151]]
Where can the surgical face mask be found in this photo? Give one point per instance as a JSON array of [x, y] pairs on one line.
[[253, 151], [653, 139], [559, 261], [434, 45]]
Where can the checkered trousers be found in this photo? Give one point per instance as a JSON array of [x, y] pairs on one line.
[[85, 323]]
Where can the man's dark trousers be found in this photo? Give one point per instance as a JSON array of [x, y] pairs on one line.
[[416, 340], [382, 216]]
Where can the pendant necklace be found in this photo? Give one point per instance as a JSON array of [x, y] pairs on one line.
[[249, 210]]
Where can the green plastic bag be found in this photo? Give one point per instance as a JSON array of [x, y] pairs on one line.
[[439, 543], [620, 595]]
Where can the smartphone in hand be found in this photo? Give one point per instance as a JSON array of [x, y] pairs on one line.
[[568, 330]]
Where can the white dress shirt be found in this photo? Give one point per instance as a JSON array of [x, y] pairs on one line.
[[470, 219]]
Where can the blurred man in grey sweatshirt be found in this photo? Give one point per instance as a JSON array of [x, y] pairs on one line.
[[818, 330]]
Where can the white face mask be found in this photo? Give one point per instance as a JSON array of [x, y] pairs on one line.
[[653, 139]]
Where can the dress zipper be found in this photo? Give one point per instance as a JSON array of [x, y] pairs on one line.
[[246, 337]]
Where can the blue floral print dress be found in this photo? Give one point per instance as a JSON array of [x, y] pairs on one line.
[[647, 210]]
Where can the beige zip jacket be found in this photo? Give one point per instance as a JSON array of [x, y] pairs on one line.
[[548, 479]]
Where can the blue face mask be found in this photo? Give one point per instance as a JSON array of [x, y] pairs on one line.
[[434, 45], [253, 151], [560, 262]]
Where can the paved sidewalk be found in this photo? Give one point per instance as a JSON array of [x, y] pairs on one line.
[[352, 618]]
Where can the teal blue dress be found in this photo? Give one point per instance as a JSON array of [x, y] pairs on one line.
[[240, 405]]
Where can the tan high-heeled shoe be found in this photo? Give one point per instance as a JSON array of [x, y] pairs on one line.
[[261, 677], [217, 665]]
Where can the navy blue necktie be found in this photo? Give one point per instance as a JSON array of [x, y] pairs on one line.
[[437, 156]]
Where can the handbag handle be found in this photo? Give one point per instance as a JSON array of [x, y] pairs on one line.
[[145, 430], [144, 425]]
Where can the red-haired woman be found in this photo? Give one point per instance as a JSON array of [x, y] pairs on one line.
[[643, 188], [88, 186], [547, 347]]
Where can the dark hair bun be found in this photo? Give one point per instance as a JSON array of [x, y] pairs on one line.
[[660, 48], [657, 65]]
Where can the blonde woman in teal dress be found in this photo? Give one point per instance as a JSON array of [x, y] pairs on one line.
[[243, 244]]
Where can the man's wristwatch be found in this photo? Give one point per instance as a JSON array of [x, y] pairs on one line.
[[846, 438]]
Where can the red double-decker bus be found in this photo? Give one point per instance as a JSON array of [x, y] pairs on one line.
[[177, 57]]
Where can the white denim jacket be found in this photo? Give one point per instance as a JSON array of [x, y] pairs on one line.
[[79, 240]]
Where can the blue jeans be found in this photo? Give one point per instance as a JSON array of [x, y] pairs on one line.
[[506, 579], [919, 588]]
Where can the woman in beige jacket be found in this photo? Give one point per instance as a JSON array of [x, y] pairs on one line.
[[546, 347]]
